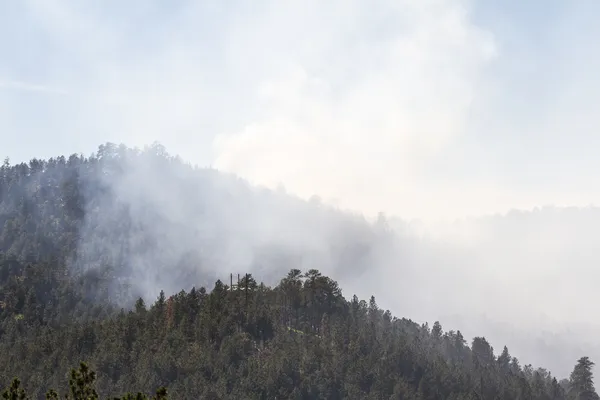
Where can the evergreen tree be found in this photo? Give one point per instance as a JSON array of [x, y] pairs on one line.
[[581, 381]]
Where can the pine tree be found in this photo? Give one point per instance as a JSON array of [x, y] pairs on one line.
[[582, 381], [15, 392]]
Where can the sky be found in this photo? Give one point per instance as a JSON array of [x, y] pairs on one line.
[[419, 108]]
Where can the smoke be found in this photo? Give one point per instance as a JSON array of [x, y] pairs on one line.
[[164, 225], [338, 95], [525, 279], [358, 115], [441, 108]]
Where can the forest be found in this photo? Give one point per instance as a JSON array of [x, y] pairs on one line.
[[107, 290]]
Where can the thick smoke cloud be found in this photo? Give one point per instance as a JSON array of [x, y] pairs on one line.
[[337, 95], [524, 279], [170, 226]]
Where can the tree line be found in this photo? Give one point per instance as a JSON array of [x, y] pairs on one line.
[[62, 304], [300, 339]]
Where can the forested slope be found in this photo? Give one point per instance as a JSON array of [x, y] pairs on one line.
[[143, 221], [86, 242], [300, 339]]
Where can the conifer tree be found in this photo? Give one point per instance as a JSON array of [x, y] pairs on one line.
[[582, 381]]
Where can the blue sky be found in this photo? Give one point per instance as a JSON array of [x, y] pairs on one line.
[[437, 108]]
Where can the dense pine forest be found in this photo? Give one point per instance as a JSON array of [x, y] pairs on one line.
[[108, 287]]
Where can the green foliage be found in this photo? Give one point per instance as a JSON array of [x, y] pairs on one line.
[[15, 392], [81, 388], [581, 384], [220, 345], [300, 339]]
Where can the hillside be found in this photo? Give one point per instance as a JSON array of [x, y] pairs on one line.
[[300, 339], [88, 243], [145, 221]]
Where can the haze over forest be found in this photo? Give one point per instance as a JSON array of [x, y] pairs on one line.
[[470, 125], [519, 279]]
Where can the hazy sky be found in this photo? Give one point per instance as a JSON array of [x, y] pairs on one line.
[[421, 108]]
